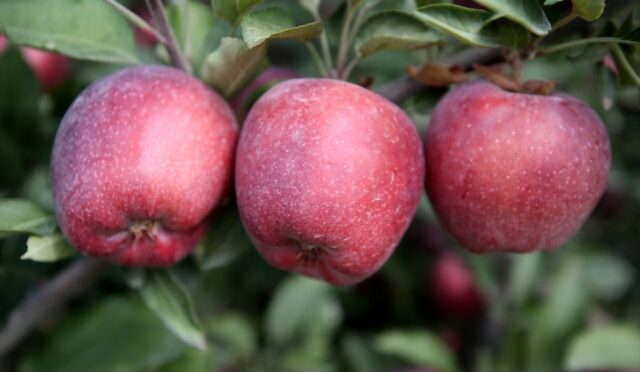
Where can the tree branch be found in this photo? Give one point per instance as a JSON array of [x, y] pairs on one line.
[[47, 299], [171, 43]]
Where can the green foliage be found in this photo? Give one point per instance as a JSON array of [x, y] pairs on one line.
[[416, 347], [606, 347], [233, 10], [526, 13], [275, 23], [394, 30], [83, 29], [462, 23], [589, 10], [19, 216], [232, 65], [163, 294], [49, 248], [116, 334]]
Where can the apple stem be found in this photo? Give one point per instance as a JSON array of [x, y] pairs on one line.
[[171, 44], [135, 20]]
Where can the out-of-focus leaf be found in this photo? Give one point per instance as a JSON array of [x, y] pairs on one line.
[[233, 333], [511, 34], [224, 241], [310, 5], [232, 10], [191, 360], [417, 347], [589, 10], [233, 65], [524, 272], [165, 296], [19, 216], [37, 188], [526, 13], [117, 334], [608, 276], [49, 248], [275, 23], [295, 301], [611, 347], [394, 30], [464, 24], [358, 356], [198, 39], [551, 2], [83, 29], [563, 310]]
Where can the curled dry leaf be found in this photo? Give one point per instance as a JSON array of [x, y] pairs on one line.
[[497, 76], [435, 75], [539, 87]]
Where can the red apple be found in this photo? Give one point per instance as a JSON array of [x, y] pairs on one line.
[[452, 288], [139, 161], [514, 172], [328, 177], [50, 69]]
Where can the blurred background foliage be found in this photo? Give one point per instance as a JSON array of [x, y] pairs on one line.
[[576, 308]]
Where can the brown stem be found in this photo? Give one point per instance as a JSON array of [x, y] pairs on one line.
[[162, 23], [40, 305]]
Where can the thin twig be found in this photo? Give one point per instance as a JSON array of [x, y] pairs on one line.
[[162, 22], [343, 47], [324, 43], [136, 20], [40, 305], [574, 43], [317, 58]]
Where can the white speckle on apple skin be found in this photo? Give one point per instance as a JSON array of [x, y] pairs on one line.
[[330, 170], [514, 172], [146, 144]]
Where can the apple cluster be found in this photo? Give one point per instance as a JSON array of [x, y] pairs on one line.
[[328, 175]]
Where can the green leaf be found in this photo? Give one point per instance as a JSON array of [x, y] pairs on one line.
[[117, 334], [83, 29], [563, 310], [526, 13], [359, 357], [611, 347], [416, 347], [295, 301], [190, 360], [589, 10], [18, 216], [233, 333], [511, 34], [310, 5], [275, 23], [551, 2], [230, 67], [198, 39], [166, 298], [524, 272], [464, 24], [232, 10], [608, 276], [223, 242], [394, 30], [48, 248]]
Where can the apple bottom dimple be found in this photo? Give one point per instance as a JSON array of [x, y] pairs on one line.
[[312, 260], [146, 243]]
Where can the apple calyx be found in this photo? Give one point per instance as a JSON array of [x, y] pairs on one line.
[[496, 75], [310, 252], [145, 228]]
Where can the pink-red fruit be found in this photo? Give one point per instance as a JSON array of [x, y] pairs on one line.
[[139, 161], [328, 177], [452, 288], [514, 172]]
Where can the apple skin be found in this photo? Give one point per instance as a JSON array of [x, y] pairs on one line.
[[139, 161], [50, 69], [328, 177], [452, 288], [514, 172]]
